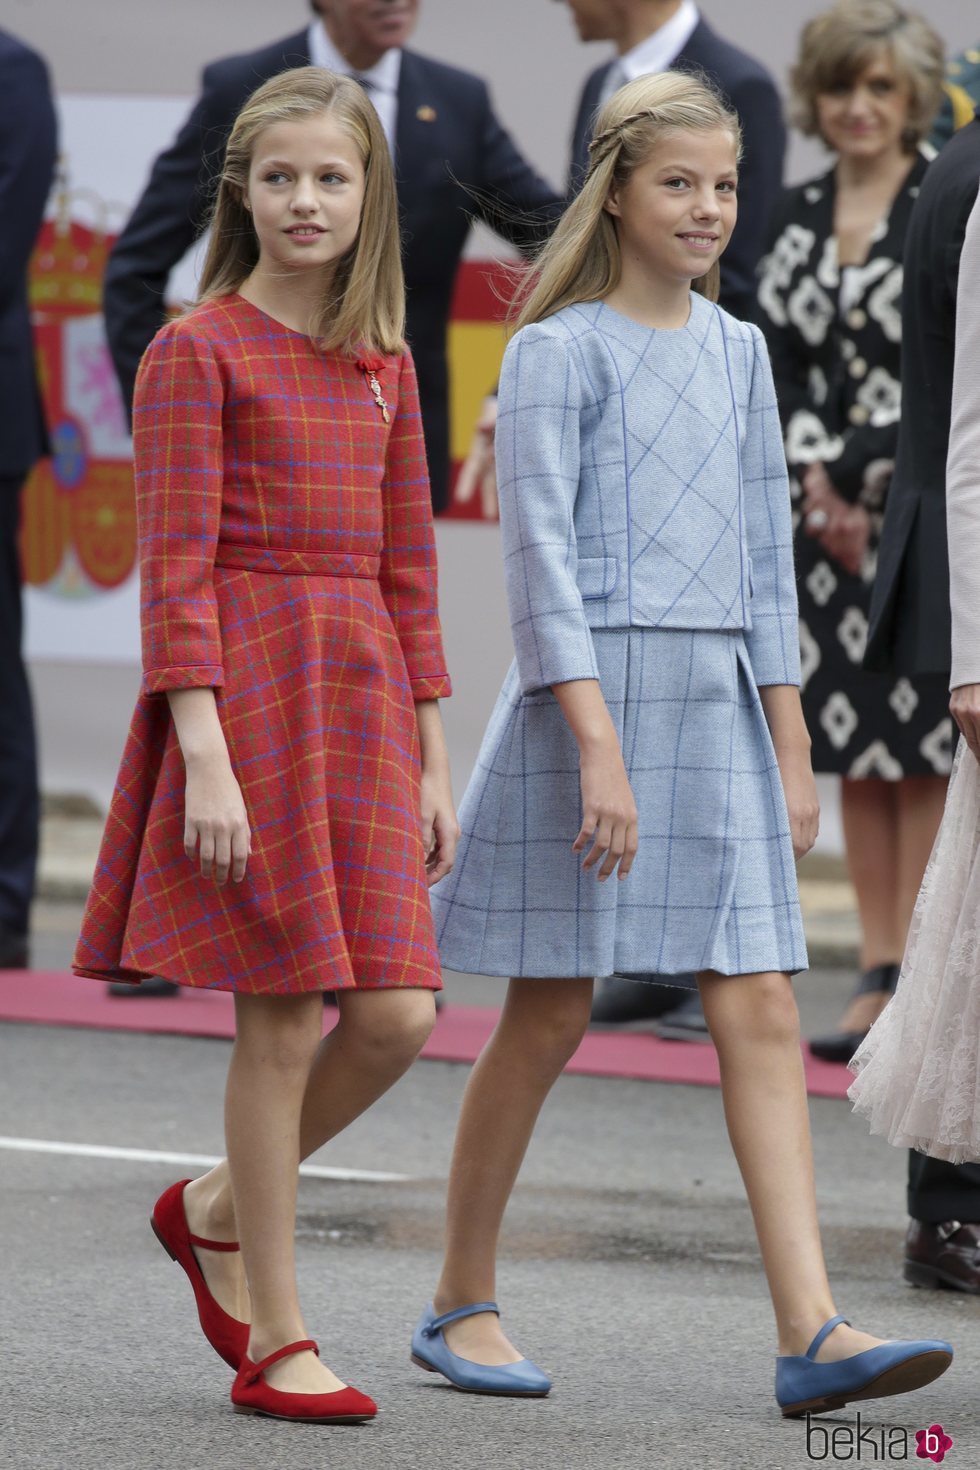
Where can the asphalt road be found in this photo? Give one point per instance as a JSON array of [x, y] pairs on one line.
[[629, 1272]]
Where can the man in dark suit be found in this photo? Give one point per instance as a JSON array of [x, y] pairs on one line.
[[28, 137], [453, 160], [909, 629], [657, 35], [652, 36]]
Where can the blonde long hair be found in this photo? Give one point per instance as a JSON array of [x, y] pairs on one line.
[[581, 261], [364, 305]]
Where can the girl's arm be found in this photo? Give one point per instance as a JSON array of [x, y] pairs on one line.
[[609, 816], [407, 576], [538, 467], [179, 463], [440, 829], [178, 458], [773, 641], [214, 811], [784, 716]]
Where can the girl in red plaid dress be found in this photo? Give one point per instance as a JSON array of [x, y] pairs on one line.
[[284, 797]]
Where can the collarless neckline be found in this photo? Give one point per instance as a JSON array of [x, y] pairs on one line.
[[268, 317], [642, 327]]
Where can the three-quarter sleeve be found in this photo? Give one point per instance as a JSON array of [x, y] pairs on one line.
[[177, 450], [773, 639], [537, 447], [963, 469], [408, 578]]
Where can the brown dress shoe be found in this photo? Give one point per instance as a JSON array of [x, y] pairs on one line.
[[943, 1255]]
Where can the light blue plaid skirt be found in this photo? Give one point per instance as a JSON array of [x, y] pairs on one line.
[[713, 886]]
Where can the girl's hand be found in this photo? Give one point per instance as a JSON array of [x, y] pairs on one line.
[[215, 820], [964, 706], [609, 819], [440, 829], [802, 802]]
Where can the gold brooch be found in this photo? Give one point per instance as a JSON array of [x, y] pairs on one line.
[[426, 114], [371, 367]]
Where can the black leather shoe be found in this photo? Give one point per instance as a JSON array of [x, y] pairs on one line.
[[625, 1003], [947, 1254], [685, 1022], [154, 988], [13, 950], [840, 1046]]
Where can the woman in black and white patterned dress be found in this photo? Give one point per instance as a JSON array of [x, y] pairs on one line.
[[866, 82]]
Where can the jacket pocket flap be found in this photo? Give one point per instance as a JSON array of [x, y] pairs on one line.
[[597, 575]]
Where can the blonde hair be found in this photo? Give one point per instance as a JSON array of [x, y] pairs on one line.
[[581, 261], [836, 47], [364, 306]]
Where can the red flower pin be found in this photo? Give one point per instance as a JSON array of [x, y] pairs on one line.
[[371, 364]]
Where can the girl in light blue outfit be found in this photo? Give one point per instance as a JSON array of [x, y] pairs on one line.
[[651, 722]]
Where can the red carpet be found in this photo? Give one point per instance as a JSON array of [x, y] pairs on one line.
[[50, 998]]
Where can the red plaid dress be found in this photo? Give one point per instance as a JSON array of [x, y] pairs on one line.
[[287, 562]]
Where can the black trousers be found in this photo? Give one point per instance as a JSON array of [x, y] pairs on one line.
[[939, 1191], [19, 802]]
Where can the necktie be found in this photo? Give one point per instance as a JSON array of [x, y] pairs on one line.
[[615, 78], [362, 81]]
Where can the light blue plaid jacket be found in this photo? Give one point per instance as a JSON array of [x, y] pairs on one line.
[[643, 484]]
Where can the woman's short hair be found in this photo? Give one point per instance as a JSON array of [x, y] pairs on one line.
[[837, 46]]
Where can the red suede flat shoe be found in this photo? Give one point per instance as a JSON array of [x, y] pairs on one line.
[[225, 1333], [250, 1394]]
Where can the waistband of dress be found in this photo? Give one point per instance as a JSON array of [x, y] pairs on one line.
[[282, 562]]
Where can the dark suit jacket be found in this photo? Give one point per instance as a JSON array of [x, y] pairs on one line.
[[751, 92], [28, 138], [458, 163], [910, 622]]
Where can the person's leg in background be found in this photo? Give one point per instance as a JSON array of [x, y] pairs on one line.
[[942, 1247], [19, 800]]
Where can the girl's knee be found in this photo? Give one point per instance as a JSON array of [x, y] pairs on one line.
[[282, 1032], [389, 1024], [756, 1008], [549, 1017]]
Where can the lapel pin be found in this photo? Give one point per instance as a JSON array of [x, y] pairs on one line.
[[426, 114]]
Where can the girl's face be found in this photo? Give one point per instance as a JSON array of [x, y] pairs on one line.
[[677, 210], [866, 117], [305, 191]]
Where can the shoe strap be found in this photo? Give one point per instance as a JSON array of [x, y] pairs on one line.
[[823, 1334], [213, 1245], [438, 1323], [255, 1370], [879, 978]]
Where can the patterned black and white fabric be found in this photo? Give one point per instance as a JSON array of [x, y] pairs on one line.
[[834, 336]]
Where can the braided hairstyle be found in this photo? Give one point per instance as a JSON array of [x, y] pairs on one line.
[[581, 261]]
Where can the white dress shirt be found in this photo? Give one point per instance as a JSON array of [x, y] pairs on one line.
[[656, 53], [382, 77]]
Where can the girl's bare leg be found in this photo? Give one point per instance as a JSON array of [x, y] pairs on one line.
[[541, 1025], [754, 1024], [378, 1035]]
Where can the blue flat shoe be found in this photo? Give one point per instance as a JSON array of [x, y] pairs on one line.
[[804, 1386], [429, 1351]]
